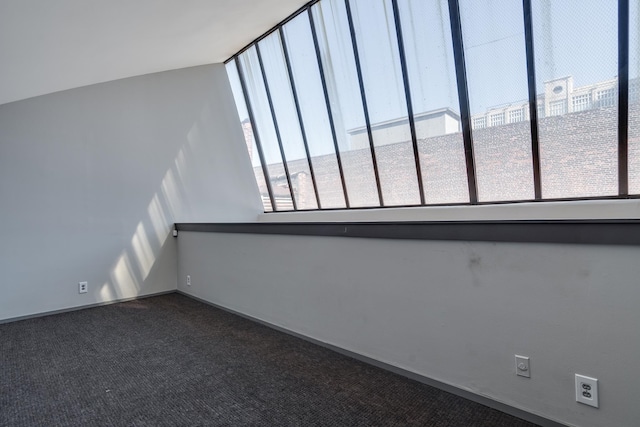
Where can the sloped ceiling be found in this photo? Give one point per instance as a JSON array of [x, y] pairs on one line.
[[52, 45]]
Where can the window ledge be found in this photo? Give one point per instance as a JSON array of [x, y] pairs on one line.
[[602, 209], [598, 222]]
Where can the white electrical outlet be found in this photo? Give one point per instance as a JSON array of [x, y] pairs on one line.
[[522, 366], [587, 390], [188, 280], [83, 287]]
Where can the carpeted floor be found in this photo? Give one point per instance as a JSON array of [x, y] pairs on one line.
[[173, 361]]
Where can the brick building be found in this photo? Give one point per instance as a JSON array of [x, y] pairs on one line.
[[578, 152]]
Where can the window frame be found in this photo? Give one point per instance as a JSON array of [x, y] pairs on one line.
[[537, 108]]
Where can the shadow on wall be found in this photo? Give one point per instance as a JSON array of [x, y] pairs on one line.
[[92, 180]]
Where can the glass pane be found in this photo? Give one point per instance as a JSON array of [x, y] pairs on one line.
[[634, 97], [306, 76], [265, 128], [247, 129], [494, 49], [434, 94], [338, 63], [382, 76], [576, 47], [275, 69]]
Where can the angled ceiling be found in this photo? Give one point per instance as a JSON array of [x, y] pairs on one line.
[[47, 46]]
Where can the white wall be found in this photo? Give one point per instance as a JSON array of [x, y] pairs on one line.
[[456, 312], [92, 179]]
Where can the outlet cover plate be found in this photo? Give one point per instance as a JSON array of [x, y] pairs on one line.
[[83, 287], [587, 390], [522, 366]]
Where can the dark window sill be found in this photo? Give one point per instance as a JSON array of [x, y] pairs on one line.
[[598, 232]]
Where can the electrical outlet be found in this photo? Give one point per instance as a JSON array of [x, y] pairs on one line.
[[522, 366], [83, 287], [188, 280], [587, 390]]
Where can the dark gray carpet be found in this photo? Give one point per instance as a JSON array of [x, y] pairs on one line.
[[173, 361]]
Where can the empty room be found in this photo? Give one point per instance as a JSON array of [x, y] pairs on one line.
[[332, 213]]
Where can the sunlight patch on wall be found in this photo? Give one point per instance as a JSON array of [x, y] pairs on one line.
[[123, 278], [159, 220], [170, 192], [106, 293], [144, 254]]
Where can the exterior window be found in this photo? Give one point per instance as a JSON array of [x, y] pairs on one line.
[[633, 128], [581, 102], [541, 113], [362, 104], [578, 152], [434, 98], [606, 98], [516, 115], [634, 90], [386, 100], [496, 63], [342, 82], [497, 119], [557, 108], [247, 130], [479, 122]]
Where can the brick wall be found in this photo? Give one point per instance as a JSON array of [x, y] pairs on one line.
[[578, 159]]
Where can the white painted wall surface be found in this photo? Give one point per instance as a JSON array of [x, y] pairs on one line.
[[92, 180], [456, 312]]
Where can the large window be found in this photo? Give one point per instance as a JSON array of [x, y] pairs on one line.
[[581, 102], [634, 97], [496, 68], [426, 35], [516, 115], [576, 51], [383, 103]]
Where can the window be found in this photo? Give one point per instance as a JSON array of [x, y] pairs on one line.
[[426, 34], [516, 115], [581, 102], [541, 113], [634, 98], [291, 135], [497, 119], [264, 127], [247, 130], [479, 122], [605, 98], [364, 104], [496, 65], [557, 108], [576, 50], [385, 100], [306, 77], [634, 90], [337, 63]]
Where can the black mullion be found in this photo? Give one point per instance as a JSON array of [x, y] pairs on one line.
[[256, 136], [533, 98], [407, 92], [300, 11], [297, 103], [364, 100], [623, 97], [275, 125], [463, 97], [328, 105]]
